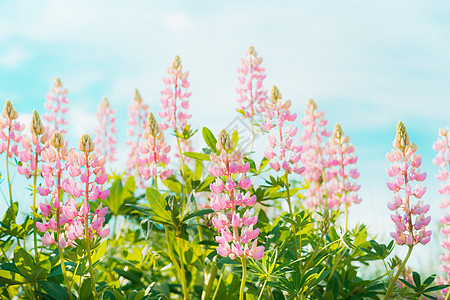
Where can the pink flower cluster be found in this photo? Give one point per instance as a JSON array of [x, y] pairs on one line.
[[77, 174], [409, 218], [106, 130], [174, 101], [287, 154], [313, 156], [137, 113], [250, 86], [32, 147], [56, 106], [442, 160], [154, 152], [341, 175], [238, 237], [10, 130]]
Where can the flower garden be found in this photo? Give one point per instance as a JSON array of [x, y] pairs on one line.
[[209, 221]]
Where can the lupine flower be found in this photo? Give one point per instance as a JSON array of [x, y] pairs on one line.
[[283, 151], [442, 160], [237, 235], [10, 130], [137, 113], [410, 218], [154, 152], [341, 176], [62, 171], [32, 147], [174, 101], [313, 157], [105, 142], [250, 86], [57, 107]]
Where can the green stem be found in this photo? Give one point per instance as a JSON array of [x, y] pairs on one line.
[[63, 268], [262, 290], [185, 288], [7, 175], [288, 194], [346, 216], [402, 266], [244, 275], [36, 253], [183, 168], [86, 231], [212, 275], [387, 271], [313, 255], [447, 297], [335, 265], [218, 283]]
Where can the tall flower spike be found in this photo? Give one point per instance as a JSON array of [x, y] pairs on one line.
[[250, 87], [237, 235], [10, 130], [154, 153], [137, 112], [410, 218], [313, 156], [106, 131], [341, 176], [283, 151], [57, 107], [442, 160]]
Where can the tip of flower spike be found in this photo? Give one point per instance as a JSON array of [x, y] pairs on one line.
[[58, 83], [9, 112], [224, 142], [137, 96], [176, 62], [152, 125], [104, 103], [275, 94], [86, 144], [311, 104], [36, 126], [57, 140], [251, 51], [401, 137]]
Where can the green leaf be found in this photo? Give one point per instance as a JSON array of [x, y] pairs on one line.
[[24, 261], [146, 226], [209, 138], [199, 213], [99, 252], [416, 278], [227, 260], [235, 138], [86, 292], [7, 277], [198, 170], [173, 184], [41, 270], [436, 288], [54, 289], [157, 203], [8, 217], [115, 200], [197, 156]]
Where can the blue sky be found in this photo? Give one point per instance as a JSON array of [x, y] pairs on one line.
[[368, 64]]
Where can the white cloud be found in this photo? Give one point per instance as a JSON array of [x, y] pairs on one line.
[[13, 56], [178, 21]]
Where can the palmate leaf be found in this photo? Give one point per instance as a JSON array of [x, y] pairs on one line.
[[24, 261]]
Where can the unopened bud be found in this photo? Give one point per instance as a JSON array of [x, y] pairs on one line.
[[57, 140], [36, 126], [325, 222], [224, 142], [9, 112], [338, 133], [137, 96], [58, 83], [443, 131], [251, 51], [275, 94], [152, 126], [176, 62], [311, 104], [104, 103], [86, 144], [401, 137]]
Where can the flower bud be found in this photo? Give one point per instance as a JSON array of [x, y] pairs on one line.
[[312, 105], [86, 144], [9, 112], [225, 142], [36, 126], [275, 93], [57, 140], [176, 62], [152, 126], [58, 83], [251, 51], [104, 103], [137, 96], [325, 222], [401, 137]]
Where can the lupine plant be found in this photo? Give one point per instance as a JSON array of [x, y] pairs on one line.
[[211, 222], [57, 107]]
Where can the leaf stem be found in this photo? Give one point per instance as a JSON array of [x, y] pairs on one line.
[[244, 275], [402, 266]]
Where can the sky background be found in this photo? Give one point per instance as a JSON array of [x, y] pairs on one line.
[[368, 64]]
